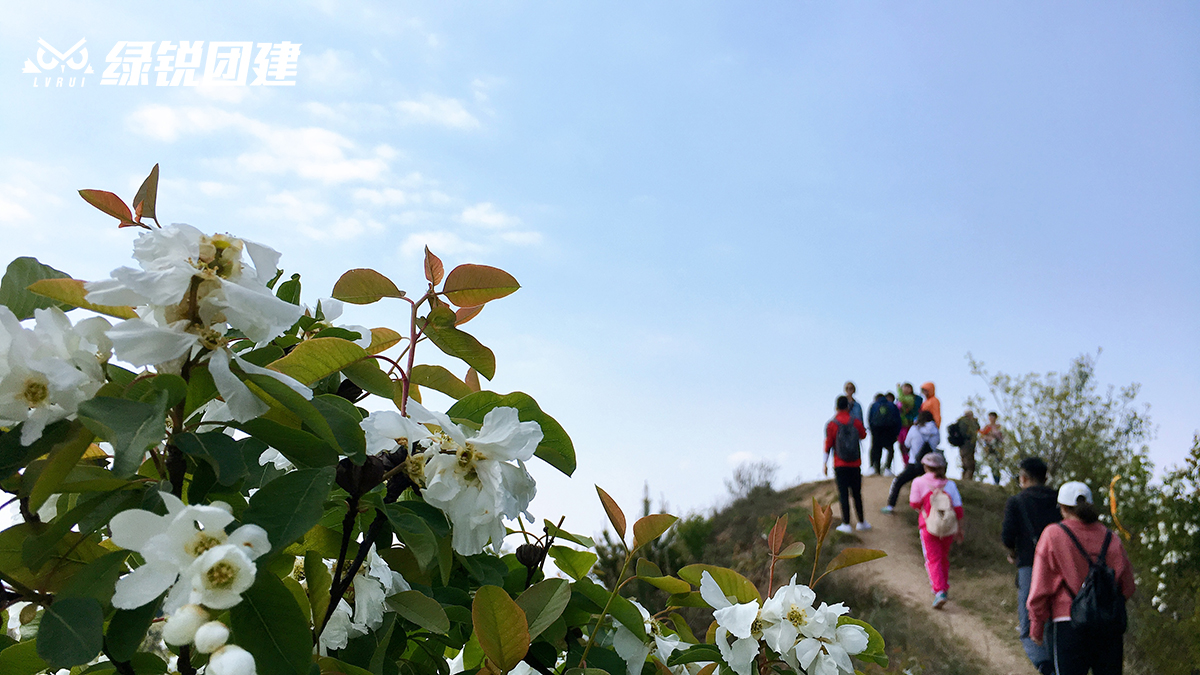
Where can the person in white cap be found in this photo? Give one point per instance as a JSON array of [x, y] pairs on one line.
[[1059, 570], [940, 510]]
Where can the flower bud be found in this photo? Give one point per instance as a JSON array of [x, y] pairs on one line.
[[182, 625], [529, 555], [28, 614], [211, 636], [231, 660], [358, 480]]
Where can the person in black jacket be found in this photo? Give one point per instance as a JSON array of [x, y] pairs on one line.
[[1025, 516], [884, 421]]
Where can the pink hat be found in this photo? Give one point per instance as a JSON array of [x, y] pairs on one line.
[[934, 460]]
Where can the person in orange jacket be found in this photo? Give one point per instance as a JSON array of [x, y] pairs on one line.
[[932, 404]]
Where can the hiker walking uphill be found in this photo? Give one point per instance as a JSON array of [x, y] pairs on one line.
[[992, 437], [1026, 515], [922, 439], [962, 435], [843, 436], [1081, 579], [884, 419], [940, 511]]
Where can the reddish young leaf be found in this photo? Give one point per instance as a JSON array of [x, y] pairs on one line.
[[648, 528], [615, 515], [110, 204], [472, 285], [775, 538], [465, 314], [433, 267], [147, 196], [472, 379]]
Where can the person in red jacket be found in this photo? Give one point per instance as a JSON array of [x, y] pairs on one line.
[[1058, 573], [843, 435]]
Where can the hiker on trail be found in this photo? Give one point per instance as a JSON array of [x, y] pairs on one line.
[[843, 436], [967, 431], [856, 410], [993, 445], [1088, 634], [932, 404], [940, 512], [884, 419], [910, 406], [1026, 514], [922, 439]]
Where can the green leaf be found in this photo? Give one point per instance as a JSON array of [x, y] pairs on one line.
[[147, 196], [314, 359], [90, 514], [110, 204], [331, 666], [669, 584], [269, 624], [127, 629], [383, 339], [690, 599], [70, 554], [792, 550], [731, 583], [440, 379], [875, 648], [14, 456], [472, 285], [559, 533], [543, 603], [414, 532], [852, 556], [129, 426], [289, 291], [71, 632], [62, 458], [319, 581], [201, 389], [290, 505], [695, 654], [682, 628], [293, 402], [220, 451], [22, 659], [457, 343], [575, 564], [97, 579], [501, 627], [363, 286], [421, 610], [648, 528], [555, 449], [344, 420], [146, 389], [84, 478], [621, 609], [20, 274], [300, 447], [370, 378], [71, 293], [645, 568]]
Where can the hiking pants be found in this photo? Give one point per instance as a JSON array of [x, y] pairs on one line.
[[967, 454], [1039, 655], [877, 445], [849, 484], [903, 448], [911, 470], [1074, 652], [937, 560]]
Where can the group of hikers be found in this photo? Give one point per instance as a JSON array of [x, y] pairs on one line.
[[1072, 579]]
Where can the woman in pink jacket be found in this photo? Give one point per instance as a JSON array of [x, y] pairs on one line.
[[1058, 573], [935, 548]]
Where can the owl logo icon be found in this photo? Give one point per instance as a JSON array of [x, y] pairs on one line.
[[49, 58]]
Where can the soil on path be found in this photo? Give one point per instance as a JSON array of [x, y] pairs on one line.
[[902, 572]]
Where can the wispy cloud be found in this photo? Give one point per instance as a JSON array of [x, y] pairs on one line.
[[485, 214], [437, 110]]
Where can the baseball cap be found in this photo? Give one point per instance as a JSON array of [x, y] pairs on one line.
[[1069, 493], [934, 460]]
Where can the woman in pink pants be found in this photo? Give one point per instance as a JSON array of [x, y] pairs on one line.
[[936, 549]]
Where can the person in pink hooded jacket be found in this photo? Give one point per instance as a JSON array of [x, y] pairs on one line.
[[935, 548]]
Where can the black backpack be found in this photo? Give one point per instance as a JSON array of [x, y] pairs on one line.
[[846, 444], [955, 436], [886, 416], [1099, 606]]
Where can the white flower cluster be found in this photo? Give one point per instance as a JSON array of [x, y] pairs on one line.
[[809, 639], [192, 624], [191, 289], [477, 478], [47, 371], [372, 585]]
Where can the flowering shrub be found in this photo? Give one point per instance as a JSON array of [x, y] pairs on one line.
[[199, 490]]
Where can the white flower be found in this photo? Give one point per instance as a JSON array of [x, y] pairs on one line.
[[181, 626], [387, 431], [211, 636], [46, 372], [275, 458], [220, 575], [827, 647], [635, 652], [785, 614], [740, 620], [231, 660], [471, 478], [373, 583], [172, 544], [339, 629]]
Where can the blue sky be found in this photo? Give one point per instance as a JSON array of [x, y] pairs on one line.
[[718, 212]]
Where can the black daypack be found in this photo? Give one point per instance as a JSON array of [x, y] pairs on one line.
[[955, 436], [846, 444], [886, 417], [1099, 606]]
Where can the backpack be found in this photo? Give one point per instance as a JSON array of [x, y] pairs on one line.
[[846, 443], [955, 436], [941, 521], [1099, 606], [884, 416]]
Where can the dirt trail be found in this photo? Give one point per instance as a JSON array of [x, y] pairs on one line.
[[902, 572]]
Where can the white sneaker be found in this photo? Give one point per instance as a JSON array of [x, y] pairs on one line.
[[863, 526], [845, 528]]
